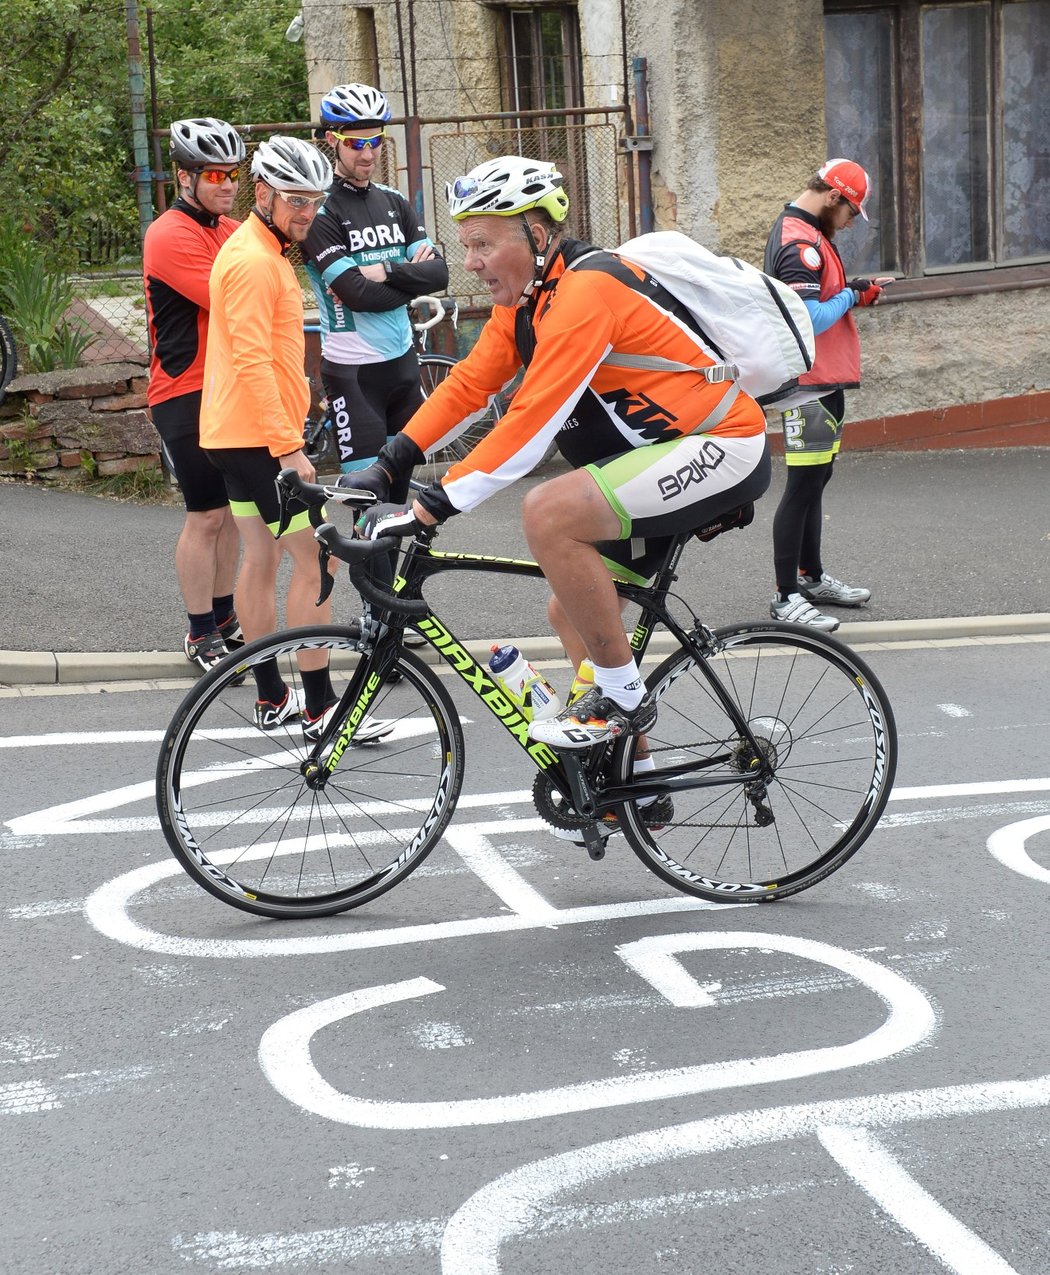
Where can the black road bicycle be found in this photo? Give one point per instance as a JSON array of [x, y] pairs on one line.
[[8, 357], [775, 743]]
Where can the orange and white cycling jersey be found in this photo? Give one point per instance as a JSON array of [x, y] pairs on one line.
[[603, 306]]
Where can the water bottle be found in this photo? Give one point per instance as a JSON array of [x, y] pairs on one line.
[[582, 682], [533, 695]]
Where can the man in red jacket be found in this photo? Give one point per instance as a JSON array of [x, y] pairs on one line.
[[800, 251], [177, 257]]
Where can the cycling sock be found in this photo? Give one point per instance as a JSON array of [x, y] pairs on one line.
[[223, 608], [317, 686], [623, 685], [201, 622], [269, 682], [640, 767]]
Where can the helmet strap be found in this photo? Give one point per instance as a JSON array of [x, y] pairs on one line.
[[539, 259]]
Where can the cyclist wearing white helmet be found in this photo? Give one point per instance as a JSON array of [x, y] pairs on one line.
[[653, 452], [256, 398], [367, 256], [177, 256]]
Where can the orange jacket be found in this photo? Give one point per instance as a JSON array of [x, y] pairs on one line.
[[594, 411], [255, 389]]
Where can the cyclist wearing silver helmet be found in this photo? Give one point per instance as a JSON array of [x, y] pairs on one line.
[[654, 451], [256, 399], [177, 257]]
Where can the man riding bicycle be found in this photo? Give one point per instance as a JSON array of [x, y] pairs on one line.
[[654, 452]]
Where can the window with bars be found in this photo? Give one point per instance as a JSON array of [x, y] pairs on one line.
[[948, 107]]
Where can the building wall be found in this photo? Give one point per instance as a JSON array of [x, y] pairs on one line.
[[736, 96]]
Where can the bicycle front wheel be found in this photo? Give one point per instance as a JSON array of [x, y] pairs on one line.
[[822, 725], [247, 820], [433, 369], [8, 357]]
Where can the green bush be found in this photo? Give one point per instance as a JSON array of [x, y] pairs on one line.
[[36, 300]]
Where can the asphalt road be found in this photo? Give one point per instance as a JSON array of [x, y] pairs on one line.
[[932, 534], [477, 1074]]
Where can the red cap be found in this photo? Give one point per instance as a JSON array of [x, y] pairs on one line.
[[850, 180]]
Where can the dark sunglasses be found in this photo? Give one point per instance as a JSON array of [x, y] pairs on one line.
[[359, 143], [216, 176]]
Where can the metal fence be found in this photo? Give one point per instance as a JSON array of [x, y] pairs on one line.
[[588, 145]]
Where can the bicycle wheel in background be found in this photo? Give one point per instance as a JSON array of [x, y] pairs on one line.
[[822, 721], [433, 368], [245, 823], [8, 357]]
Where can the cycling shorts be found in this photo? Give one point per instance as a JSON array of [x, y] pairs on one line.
[[813, 431], [177, 421], [667, 488], [249, 474], [368, 403]]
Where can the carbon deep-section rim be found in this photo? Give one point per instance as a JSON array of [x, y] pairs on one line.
[[241, 817], [821, 721]]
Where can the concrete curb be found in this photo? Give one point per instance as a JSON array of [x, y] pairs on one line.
[[43, 668]]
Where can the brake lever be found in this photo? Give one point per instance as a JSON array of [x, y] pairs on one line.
[[324, 556]]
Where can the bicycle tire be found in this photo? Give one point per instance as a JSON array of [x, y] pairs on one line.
[[8, 357], [241, 819], [823, 720], [433, 368]]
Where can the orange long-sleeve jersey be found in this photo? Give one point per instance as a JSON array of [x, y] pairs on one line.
[[255, 389], [569, 394]]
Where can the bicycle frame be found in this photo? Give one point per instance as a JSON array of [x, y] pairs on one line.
[[565, 770]]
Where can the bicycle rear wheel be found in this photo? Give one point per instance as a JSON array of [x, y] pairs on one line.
[[822, 722], [241, 817], [8, 357], [433, 369]]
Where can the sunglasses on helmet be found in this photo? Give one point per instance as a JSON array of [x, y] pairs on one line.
[[461, 188], [216, 176], [359, 143]]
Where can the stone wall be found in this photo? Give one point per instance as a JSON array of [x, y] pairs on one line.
[[78, 420]]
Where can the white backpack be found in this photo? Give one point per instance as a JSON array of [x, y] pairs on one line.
[[756, 328]]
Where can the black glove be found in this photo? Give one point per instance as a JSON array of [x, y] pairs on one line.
[[375, 479], [386, 520]]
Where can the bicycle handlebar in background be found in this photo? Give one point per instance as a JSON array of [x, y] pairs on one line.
[[439, 307]]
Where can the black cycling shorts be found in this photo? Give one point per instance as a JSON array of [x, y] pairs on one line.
[[368, 403], [249, 474], [177, 421]]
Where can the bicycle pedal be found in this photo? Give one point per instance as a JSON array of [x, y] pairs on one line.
[[594, 841]]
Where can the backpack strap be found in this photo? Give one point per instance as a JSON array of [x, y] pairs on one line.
[[715, 375]]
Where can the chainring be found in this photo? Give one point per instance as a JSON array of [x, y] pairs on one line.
[[553, 807]]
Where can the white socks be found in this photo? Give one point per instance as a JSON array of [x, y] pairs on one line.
[[623, 685]]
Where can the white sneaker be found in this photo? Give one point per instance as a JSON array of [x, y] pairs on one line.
[[370, 731], [269, 716], [828, 589], [796, 610]]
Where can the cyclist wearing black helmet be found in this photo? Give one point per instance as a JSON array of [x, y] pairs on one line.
[[177, 257]]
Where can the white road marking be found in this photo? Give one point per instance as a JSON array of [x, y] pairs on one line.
[[897, 1193], [71, 817], [1008, 846], [954, 710], [284, 1051], [515, 1203]]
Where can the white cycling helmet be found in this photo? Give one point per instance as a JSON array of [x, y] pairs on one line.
[[196, 143], [288, 163], [354, 106], [505, 186]]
